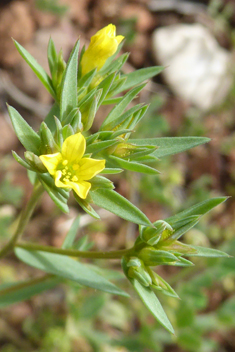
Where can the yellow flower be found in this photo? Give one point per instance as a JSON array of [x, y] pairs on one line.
[[70, 169], [103, 45]]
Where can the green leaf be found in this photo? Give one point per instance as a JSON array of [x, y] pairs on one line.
[[115, 65], [101, 182], [98, 146], [71, 235], [183, 226], [67, 268], [181, 262], [21, 161], [50, 120], [108, 171], [51, 55], [110, 101], [89, 115], [116, 204], [105, 86], [37, 69], [207, 252], [87, 79], [170, 145], [152, 303], [119, 120], [27, 136], [86, 206], [58, 195], [198, 209], [139, 76], [68, 100], [119, 108], [20, 291], [133, 166]]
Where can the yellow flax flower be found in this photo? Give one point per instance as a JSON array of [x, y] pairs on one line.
[[70, 169], [102, 45]]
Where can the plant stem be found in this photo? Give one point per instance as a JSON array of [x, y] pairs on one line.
[[23, 220], [74, 253], [26, 284]]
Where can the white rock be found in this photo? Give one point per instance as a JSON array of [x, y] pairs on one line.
[[197, 68]]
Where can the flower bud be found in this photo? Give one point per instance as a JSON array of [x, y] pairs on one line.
[[48, 144], [152, 235], [138, 271], [34, 161], [102, 45], [152, 256]]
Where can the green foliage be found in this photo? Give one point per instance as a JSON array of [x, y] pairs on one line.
[[65, 267], [77, 100]]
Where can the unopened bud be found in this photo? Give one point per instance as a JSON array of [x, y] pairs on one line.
[[138, 271], [152, 235], [152, 256], [34, 161]]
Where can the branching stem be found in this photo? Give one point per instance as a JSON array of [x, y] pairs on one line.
[[75, 253]]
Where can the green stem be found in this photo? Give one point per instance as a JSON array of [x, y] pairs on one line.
[[74, 253], [25, 284], [23, 220]]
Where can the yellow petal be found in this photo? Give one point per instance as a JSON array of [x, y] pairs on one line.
[[73, 148], [89, 168], [81, 188], [58, 183], [51, 161]]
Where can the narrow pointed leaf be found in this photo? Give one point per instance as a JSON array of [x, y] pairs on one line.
[[154, 306], [111, 171], [171, 145], [119, 108], [21, 291], [50, 119], [98, 146], [68, 100], [117, 204], [71, 235], [198, 209], [51, 55], [133, 166], [86, 206], [37, 69], [67, 268], [21, 161], [139, 76], [27, 136], [58, 195], [207, 252]]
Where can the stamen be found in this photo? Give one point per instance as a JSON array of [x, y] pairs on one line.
[[75, 166], [65, 162], [74, 179]]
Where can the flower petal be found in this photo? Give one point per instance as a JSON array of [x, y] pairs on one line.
[[51, 161], [81, 188], [73, 148], [89, 168]]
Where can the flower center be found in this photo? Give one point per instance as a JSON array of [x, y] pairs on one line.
[[69, 172]]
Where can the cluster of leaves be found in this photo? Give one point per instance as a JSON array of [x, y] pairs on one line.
[[77, 99]]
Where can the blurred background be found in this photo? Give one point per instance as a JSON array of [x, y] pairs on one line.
[[194, 96]]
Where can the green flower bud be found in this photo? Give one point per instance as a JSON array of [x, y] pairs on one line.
[[48, 144], [152, 256], [138, 271], [152, 235], [34, 161]]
